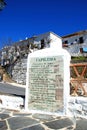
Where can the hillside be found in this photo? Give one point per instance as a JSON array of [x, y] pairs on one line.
[[4, 76]]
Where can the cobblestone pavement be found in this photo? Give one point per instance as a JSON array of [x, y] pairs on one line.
[[15, 120]]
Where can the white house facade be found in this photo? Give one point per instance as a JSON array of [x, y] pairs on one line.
[[76, 43]]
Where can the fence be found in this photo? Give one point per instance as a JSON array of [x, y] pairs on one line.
[[78, 81]]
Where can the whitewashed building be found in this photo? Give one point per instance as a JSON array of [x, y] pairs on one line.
[[44, 40], [76, 43], [40, 41]]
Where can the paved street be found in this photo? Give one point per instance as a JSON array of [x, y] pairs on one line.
[[12, 89], [15, 120]]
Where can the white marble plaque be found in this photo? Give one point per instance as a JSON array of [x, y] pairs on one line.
[[46, 83]]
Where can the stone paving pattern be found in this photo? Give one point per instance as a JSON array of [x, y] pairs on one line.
[[15, 120]]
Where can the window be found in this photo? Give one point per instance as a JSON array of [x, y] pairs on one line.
[[42, 44], [81, 40], [72, 43], [66, 42], [81, 50]]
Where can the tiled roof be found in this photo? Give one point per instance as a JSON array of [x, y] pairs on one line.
[[75, 34]]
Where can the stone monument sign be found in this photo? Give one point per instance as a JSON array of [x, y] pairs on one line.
[[48, 80]]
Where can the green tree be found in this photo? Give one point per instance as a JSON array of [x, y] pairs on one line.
[[2, 4]]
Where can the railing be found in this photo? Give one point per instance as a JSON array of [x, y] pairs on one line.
[[78, 78]]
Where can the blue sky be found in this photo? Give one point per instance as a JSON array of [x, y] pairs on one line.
[[25, 18]]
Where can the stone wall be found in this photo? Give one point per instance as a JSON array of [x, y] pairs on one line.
[[78, 106], [11, 102], [19, 71]]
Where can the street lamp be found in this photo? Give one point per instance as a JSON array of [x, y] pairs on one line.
[[2, 4]]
